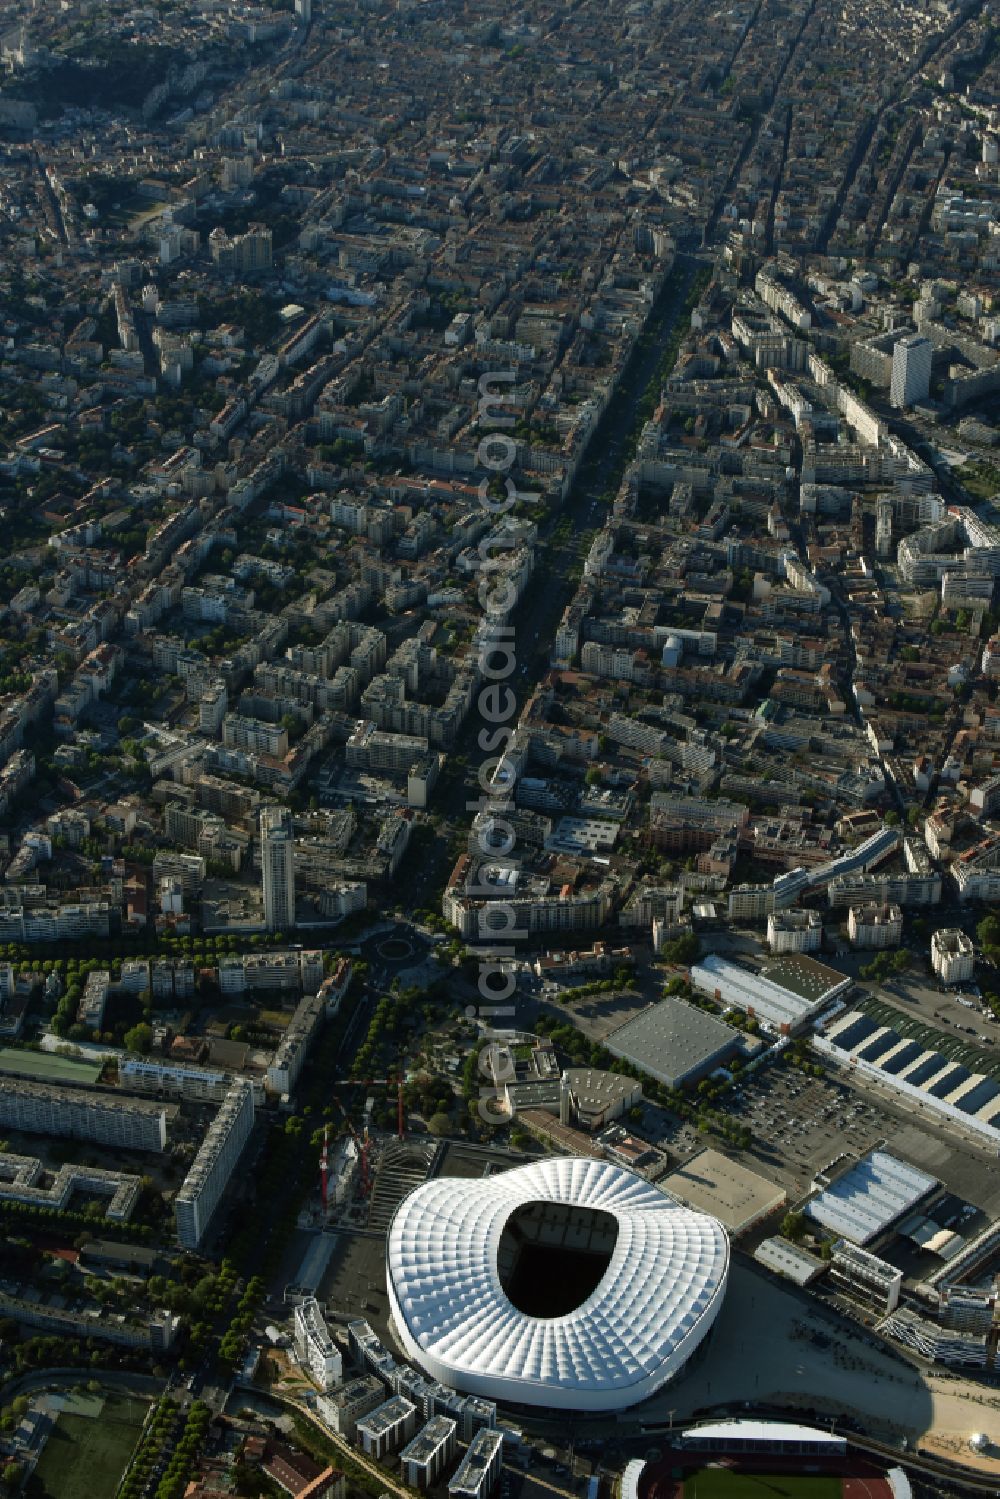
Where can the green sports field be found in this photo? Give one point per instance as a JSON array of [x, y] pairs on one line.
[[48, 1066], [85, 1455], [722, 1483]]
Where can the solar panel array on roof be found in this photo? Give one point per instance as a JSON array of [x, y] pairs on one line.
[[852, 1029], [924, 1075], [949, 1080], [931, 1065], [884, 1040], [978, 1097], [870, 1196], [965, 1085], [902, 1057]]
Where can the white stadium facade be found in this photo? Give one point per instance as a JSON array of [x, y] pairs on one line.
[[569, 1283]]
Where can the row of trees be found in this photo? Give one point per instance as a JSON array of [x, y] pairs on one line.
[[159, 1434], [234, 1340], [394, 1020], [622, 978], [174, 1481], [48, 1351], [20, 1215]]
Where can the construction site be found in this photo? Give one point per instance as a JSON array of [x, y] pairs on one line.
[[355, 1162], [338, 1249]]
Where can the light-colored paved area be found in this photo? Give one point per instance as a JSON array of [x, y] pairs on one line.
[[772, 1345]]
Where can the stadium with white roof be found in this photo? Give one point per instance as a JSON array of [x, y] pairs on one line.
[[570, 1283]]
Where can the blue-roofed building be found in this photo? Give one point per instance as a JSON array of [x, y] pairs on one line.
[[933, 1063], [866, 1198], [927, 1081], [902, 1057], [976, 1098], [876, 1046], [949, 1080], [852, 1029]]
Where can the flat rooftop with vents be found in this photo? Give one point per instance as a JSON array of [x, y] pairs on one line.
[[787, 993], [674, 1042], [713, 1183]]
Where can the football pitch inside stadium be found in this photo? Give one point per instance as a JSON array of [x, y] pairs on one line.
[[723, 1483]]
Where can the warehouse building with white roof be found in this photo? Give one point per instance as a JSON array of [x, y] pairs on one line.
[[786, 995], [866, 1197]]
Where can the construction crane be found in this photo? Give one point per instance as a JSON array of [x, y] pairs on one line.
[[379, 1082], [364, 1147], [324, 1166], [366, 1183]]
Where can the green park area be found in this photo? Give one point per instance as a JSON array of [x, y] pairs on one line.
[[134, 211], [85, 1454], [724, 1483]]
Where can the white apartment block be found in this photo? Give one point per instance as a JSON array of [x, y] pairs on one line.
[[865, 1276], [952, 955], [213, 1166], [155, 1332], [871, 925], [920, 889], [481, 920], [345, 1407], [255, 734], [272, 972], [794, 931], [293, 1048], [425, 1458], [387, 1428], [314, 1347], [147, 1075], [55, 923], [21, 1178], [478, 1473], [911, 370], [277, 864], [751, 902], [45, 1109]]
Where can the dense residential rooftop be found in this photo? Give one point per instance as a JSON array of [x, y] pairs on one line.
[[505, 492]]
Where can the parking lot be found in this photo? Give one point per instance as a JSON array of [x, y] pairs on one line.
[[800, 1123], [600, 1014], [926, 999]]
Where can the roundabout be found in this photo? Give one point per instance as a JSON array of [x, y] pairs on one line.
[[395, 950]]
